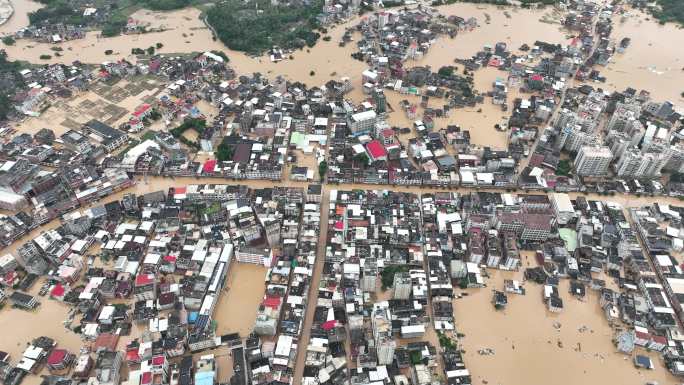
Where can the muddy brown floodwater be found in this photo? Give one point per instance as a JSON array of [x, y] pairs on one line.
[[523, 336], [237, 307], [19, 18], [651, 62], [526, 342]]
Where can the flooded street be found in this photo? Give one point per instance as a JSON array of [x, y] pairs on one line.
[[183, 31], [21, 327], [46, 320]]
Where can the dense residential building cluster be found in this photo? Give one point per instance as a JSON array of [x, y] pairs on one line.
[[367, 233], [171, 252], [383, 300]]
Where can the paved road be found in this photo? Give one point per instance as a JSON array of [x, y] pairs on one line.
[[313, 289]]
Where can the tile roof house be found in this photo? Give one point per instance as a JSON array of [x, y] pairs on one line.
[[376, 151]]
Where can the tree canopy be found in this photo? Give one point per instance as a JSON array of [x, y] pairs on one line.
[[255, 26], [670, 10], [9, 71], [224, 152]]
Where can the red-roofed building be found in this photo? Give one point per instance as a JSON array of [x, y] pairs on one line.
[[272, 302], [144, 279], [132, 356], [155, 370], [142, 111], [145, 287], [59, 359], [376, 151], [106, 341], [58, 292], [658, 343], [536, 82], [494, 61], [136, 124], [146, 378], [387, 136], [209, 166]]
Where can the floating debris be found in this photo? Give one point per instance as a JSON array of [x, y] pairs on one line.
[[486, 352]]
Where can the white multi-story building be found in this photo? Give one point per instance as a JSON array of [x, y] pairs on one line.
[[619, 142], [593, 161], [563, 208], [257, 256], [636, 164], [362, 121], [574, 137], [382, 334], [625, 118]]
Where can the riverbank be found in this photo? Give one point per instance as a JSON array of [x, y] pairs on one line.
[[19, 18], [6, 11]]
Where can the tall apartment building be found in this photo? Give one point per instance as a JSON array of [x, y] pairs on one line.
[[382, 334], [619, 142], [362, 122], [636, 164], [574, 137], [593, 161], [625, 118]]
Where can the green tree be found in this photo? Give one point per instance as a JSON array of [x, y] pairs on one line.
[[166, 5], [322, 169], [241, 27], [564, 167], [155, 114], [224, 152], [362, 158], [190, 123], [446, 71], [9, 70], [387, 276], [159, 45], [150, 50], [5, 106], [8, 40]]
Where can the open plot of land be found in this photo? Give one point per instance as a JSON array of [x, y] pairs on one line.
[[110, 104]]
